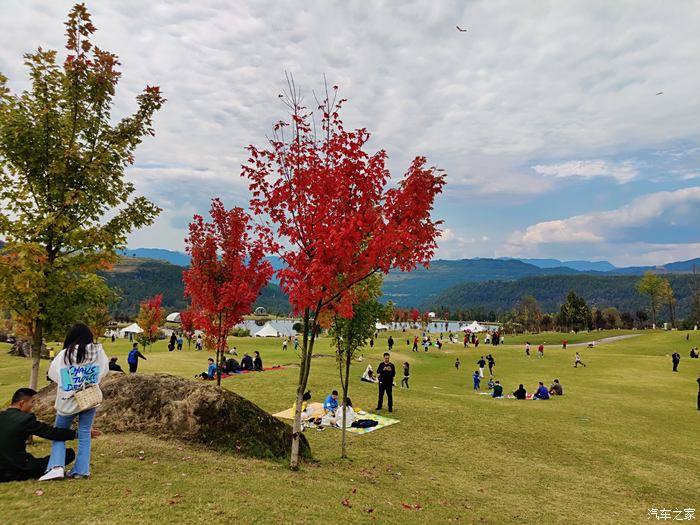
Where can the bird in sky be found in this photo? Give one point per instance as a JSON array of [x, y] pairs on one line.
[[659, 93], [461, 30]]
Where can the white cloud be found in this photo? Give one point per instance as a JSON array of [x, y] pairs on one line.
[[598, 227], [588, 169]]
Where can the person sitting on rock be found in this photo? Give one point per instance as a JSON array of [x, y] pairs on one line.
[[257, 362], [114, 367], [246, 362]]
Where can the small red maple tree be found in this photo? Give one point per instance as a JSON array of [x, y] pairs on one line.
[[187, 325], [327, 200], [227, 271], [150, 317], [415, 315]]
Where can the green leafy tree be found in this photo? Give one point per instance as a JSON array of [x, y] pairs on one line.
[[611, 317], [694, 286], [351, 334], [668, 297], [529, 313], [574, 314], [652, 286], [65, 207]]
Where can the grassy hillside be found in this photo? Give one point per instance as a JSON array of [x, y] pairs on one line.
[[621, 440], [137, 279]]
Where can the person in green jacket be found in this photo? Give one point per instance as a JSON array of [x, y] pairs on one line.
[[17, 423], [497, 390]]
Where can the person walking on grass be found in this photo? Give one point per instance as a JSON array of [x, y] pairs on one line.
[[390, 343], [415, 344], [698, 391], [386, 371], [482, 363], [406, 374], [676, 357], [180, 340], [81, 363], [133, 358], [527, 349], [540, 351], [492, 363], [578, 361], [477, 380], [457, 363]]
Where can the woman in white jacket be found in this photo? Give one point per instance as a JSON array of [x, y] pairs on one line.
[[81, 362]]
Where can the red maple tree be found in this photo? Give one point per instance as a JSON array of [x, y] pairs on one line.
[[227, 271], [415, 315], [331, 217], [187, 325], [150, 317]]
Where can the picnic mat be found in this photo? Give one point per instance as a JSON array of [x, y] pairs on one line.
[[318, 412], [289, 413], [382, 422], [249, 371]]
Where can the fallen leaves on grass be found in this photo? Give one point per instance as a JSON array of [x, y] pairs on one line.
[[346, 503], [38, 492], [412, 506]]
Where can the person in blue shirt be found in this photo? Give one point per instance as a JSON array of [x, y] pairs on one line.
[[133, 358], [542, 392], [331, 402], [211, 371], [477, 380]]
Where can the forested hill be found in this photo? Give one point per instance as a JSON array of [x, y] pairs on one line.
[[601, 291], [137, 279], [422, 285]]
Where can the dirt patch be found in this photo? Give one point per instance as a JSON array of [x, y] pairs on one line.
[[170, 406]]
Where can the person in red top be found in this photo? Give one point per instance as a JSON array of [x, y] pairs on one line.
[[415, 344], [540, 350]]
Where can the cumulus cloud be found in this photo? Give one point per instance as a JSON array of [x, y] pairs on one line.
[[656, 209], [528, 85], [589, 169]]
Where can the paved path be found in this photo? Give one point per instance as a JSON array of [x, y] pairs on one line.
[[605, 340]]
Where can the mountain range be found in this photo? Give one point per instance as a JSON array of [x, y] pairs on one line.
[[451, 283]]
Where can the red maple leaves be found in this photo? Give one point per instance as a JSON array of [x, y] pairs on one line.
[[226, 273], [332, 218]]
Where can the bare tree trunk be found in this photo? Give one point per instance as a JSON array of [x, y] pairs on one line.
[[305, 365], [37, 341], [345, 384]]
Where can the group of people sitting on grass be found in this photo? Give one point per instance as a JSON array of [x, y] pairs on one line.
[[332, 413], [541, 392], [232, 366]]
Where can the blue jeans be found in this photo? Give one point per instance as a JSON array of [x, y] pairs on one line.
[[58, 448]]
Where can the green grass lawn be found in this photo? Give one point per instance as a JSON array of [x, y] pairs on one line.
[[622, 439]]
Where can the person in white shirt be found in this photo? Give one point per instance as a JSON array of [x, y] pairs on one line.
[[81, 362], [350, 415]]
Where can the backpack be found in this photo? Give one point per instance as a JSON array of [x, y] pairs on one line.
[[364, 423], [133, 358]]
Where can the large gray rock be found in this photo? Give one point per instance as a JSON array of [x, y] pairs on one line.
[[170, 406]]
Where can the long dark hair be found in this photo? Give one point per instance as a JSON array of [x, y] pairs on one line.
[[77, 340]]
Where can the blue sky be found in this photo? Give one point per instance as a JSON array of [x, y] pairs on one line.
[[544, 114]]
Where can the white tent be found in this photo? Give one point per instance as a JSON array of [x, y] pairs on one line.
[[474, 327], [133, 328], [266, 331], [174, 317], [381, 327]]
